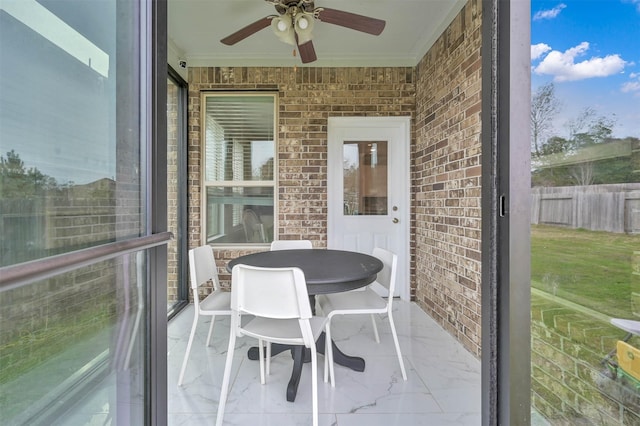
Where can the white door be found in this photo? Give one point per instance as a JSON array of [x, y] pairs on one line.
[[368, 188]]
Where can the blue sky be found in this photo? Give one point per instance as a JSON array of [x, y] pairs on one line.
[[590, 50]]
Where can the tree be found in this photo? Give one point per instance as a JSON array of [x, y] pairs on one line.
[[12, 166], [16, 181], [583, 173], [589, 129], [544, 106], [584, 158], [555, 145]]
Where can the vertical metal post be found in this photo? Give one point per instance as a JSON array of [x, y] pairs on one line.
[[157, 283], [506, 353]]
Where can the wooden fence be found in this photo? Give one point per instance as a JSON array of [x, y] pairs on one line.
[[611, 208]]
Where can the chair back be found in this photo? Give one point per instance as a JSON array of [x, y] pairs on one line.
[[253, 228], [279, 293], [291, 245], [276, 293], [202, 268], [387, 276]]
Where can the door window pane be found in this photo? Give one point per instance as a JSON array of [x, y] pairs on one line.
[[365, 178]]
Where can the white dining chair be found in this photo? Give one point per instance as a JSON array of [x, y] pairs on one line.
[[279, 302], [202, 270], [286, 245], [366, 301], [291, 245], [253, 227]]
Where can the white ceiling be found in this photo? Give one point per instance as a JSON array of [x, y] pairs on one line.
[[196, 27]]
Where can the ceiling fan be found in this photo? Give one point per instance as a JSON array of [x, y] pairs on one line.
[[294, 24]]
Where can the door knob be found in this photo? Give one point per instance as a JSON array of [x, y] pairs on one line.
[[395, 220]]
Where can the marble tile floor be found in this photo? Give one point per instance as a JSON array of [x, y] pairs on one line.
[[443, 386]]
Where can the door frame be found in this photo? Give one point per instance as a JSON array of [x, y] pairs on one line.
[[182, 197], [506, 189], [334, 204]]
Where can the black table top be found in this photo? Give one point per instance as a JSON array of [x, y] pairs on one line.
[[325, 270]]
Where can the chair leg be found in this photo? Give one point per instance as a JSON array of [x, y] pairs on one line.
[[268, 360], [186, 355], [326, 358], [326, 354], [395, 340], [314, 384], [328, 347], [213, 320], [330, 353], [261, 362], [224, 388], [375, 328]]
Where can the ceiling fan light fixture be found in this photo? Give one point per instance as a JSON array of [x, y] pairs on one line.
[[281, 24], [283, 29], [295, 21], [304, 27], [302, 23]]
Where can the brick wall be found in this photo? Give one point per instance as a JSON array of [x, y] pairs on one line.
[[76, 304], [446, 178], [570, 385], [81, 216], [442, 95], [307, 97]]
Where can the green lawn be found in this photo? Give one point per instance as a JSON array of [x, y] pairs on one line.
[[593, 269]]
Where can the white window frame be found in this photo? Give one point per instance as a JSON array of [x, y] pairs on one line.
[[204, 183]]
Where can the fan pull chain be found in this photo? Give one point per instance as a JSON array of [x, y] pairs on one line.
[[295, 67]]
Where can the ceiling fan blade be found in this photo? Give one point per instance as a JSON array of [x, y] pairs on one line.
[[247, 31], [307, 52], [351, 20]]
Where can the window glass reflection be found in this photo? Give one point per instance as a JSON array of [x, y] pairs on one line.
[[239, 168], [88, 329], [71, 177], [585, 217], [68, 178], [365, 178], [239, 215]]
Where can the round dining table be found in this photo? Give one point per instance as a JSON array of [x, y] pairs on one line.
[[325, 271]]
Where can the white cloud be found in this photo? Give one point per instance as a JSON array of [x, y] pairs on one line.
[[551, 13], [538, 50], [562, 65], [636, 2], [633, 85]]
